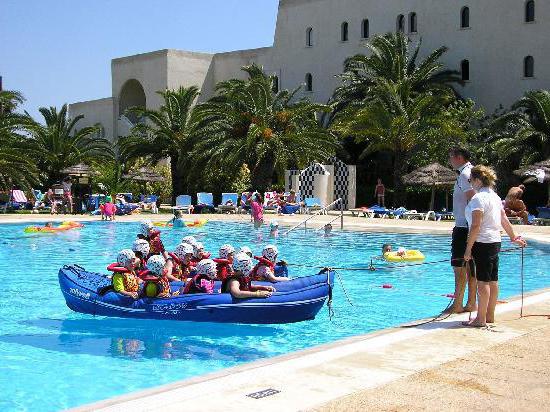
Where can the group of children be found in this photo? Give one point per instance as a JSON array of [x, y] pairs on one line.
[[148, 269]]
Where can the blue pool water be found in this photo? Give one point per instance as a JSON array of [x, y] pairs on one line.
[[52, 358]]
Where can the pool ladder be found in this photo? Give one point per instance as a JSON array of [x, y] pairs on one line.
[[319, 212]]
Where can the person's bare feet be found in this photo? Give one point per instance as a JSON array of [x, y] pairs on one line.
[[469, 308], [455, 309], [474, 324]]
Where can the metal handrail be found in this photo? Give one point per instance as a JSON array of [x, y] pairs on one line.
[[324, 209], [329, 223]]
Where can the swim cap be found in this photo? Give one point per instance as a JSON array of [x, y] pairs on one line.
[[125, 257], [270, 252], [145, 227], [142, 246], [183, 249], [246, 250], [189, 240], [243, 263], [274, 224], [197, 249], [226, 250], [207, 267], [155, 264]]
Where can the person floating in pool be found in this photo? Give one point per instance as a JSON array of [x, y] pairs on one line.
[[178, 221], [224, 262], [387, 248], [328, 230], [265, 270], [152, 235], [239, 283], [203, 281], [141, 249], [125, 281]]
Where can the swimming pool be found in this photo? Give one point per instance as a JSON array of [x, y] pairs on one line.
[[52, 358]]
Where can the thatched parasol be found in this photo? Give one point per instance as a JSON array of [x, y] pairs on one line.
[[433, 175], [144, 175], [538, 172], [78, 170]]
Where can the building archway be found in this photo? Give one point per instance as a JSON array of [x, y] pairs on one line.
[[131, 95]]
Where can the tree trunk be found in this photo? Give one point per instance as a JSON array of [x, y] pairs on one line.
[[432, 199], [179, 186], [262, 175], [399, 169]]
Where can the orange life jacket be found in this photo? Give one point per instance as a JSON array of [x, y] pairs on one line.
[[261, 262]]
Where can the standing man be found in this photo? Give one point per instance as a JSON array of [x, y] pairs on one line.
[[459, 159], [380, 193]]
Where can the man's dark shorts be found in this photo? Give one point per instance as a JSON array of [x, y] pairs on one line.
[[458, 245], [485, 256]]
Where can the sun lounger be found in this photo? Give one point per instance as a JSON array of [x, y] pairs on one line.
[[205, 201], [150, 203], [312, 204], [365, 211], [544, 212], [184, 203], [229, 203], [17, 200], [271, 202]]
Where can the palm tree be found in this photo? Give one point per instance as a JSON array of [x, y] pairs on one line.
[[392, 58], [59, 144], [524, 133], [396, 120], [247, 122], [166, 133], [16, 167]]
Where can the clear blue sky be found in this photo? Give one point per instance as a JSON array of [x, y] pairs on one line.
[[60, 51]]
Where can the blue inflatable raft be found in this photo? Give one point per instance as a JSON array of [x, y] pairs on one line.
[[296, 300]]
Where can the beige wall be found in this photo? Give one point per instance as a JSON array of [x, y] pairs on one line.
[[94, 112], [495, 45]]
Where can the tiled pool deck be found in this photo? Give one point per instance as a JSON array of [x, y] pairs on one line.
[[436, 366]]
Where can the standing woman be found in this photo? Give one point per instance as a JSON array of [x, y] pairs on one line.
[[486, 218], [257, 210], [67, 192], [380, 193]]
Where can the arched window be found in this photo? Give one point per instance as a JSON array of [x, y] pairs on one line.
[[275, 84], [412, 23], [400, 25], [465, 70], [309, 82], [465, 17], [529, 67], [345, 31], [309, 37], [365, 29], [530, 11]]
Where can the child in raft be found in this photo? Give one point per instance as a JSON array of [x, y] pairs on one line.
[[239, 284], [161, 269], [265, 269], [199, 253], [152, 235], [183, 261], [127, 282], [224, 262], [203, 281], [141, 249]]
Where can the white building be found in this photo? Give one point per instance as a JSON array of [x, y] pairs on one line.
[[499, 45]]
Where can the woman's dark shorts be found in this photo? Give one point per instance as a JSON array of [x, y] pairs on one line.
[[485, 256], [458, 245]]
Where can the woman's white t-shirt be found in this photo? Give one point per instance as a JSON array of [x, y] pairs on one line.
[[490, 204]]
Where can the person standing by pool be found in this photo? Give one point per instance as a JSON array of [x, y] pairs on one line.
[[459, 159], [380, 193], [67, 186], [257, 210], [486, 218]]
